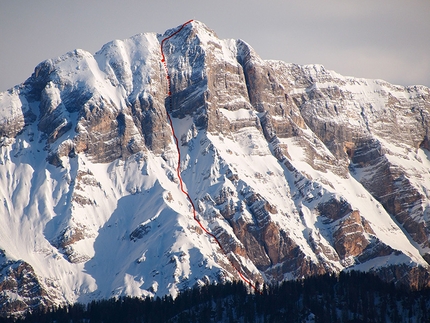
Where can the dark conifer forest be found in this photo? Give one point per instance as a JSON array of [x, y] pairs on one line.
[[348, 297]]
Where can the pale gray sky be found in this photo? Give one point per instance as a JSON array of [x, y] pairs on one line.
[[385, 39]]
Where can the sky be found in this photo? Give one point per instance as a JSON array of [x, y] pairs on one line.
[[377, 39]]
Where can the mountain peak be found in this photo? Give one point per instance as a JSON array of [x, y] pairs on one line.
[[192, 25], [296, 171]]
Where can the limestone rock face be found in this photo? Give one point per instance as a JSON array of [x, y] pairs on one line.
[[296, 170], [16, 117], [20, 288], [349, 238]]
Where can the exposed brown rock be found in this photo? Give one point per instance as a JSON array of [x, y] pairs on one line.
[[393, 189], [402, 275], [334, 209], [349, 237], [18, 278]]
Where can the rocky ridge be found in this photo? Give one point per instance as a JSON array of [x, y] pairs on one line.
[[297, 170]]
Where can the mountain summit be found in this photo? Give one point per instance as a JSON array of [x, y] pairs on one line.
[[296, 170]]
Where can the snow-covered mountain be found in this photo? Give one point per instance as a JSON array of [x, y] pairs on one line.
[[296, 170]]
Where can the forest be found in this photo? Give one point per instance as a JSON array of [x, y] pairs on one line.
[[348, 297]]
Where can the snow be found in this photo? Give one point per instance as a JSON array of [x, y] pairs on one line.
[[238, 115], [223, 50], [381, 222], [12, 106]]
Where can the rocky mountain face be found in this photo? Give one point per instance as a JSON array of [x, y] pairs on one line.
[[296, 170]]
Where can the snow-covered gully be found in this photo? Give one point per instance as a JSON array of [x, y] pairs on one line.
[[178, 171]]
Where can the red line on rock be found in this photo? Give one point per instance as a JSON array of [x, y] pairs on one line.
[[178, 171]]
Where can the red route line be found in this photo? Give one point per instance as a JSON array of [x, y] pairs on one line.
[[178, 171]]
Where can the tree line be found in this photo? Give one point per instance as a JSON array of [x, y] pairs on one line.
[[347, 297]]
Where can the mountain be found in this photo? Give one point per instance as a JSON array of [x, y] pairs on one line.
[[293, 170]]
